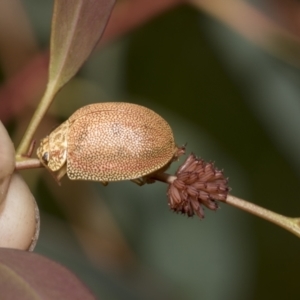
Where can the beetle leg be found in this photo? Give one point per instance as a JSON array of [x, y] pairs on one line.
[[31, 148], [143, 180], [105, 183], [61, 173], [138, 181], [178, 152]]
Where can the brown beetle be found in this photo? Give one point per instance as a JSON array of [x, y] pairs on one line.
[[110, 142]]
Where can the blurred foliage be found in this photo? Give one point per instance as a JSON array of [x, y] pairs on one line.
[[24, 275], [200, 76]]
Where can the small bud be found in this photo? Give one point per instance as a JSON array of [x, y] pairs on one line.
[[197, 184]]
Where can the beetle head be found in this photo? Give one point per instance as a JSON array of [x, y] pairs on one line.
[[43, 151], [52, 155]]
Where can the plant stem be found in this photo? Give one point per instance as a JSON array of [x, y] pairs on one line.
[[36, 120], [164, 177], [290, 224], [28, 163]]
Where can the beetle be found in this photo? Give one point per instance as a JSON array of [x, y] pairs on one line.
[[110, 141]]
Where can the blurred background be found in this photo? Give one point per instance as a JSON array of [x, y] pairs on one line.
[[226, 77]]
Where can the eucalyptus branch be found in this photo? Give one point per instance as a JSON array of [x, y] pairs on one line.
[[28, 163], [290, 224], [76, 29], [198, 184], [36, 120]]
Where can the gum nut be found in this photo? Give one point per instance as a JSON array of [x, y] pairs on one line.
[[7, 159], [19, 217]]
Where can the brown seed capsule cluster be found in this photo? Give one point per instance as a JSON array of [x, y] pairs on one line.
[[198, 184]]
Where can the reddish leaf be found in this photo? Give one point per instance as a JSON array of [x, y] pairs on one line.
[[26, 275]]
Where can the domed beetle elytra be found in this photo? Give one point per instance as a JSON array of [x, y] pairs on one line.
[[110, 141]]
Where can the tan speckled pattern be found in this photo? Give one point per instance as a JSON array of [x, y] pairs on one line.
[[117, 141], [56, 146]]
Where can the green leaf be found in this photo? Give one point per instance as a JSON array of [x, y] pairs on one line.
[[77, 26]]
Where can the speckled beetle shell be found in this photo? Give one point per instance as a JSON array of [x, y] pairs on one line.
[[109, 142]]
